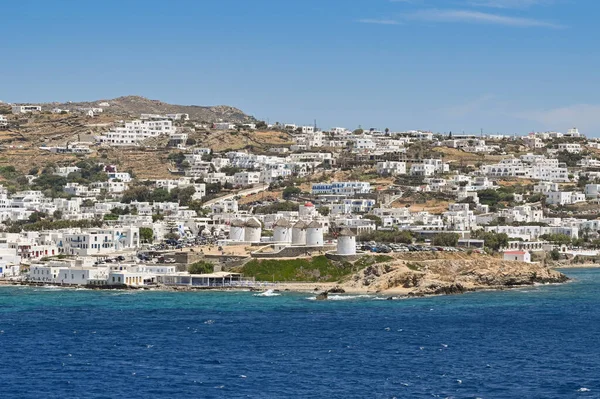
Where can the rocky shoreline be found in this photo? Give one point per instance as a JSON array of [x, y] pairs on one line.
[[432, 274], [409, 276]]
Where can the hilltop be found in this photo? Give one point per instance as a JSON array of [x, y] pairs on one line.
[[133, 106], [20, 143]]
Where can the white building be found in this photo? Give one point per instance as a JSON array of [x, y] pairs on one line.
[[564, 197], [253, 230], [349, 206], [134, 132], [592, 190], [314, 234], [422, 170], [519, 256], [81, 275], [23, 109], [391, 168], [345, 188], [246, 179], [100, 241], [282, 231], [572, 148], [573, 132], [64, 171], [346, 242]]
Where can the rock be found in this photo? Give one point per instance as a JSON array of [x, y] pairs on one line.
[[322, 296], [337, 290]]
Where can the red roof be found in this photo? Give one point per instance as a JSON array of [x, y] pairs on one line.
[[515, 252], [309, 204]]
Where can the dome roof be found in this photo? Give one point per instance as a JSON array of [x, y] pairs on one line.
[[283, 222], [309, 204], [237, 223], [253, 222], [314, 225], [300, 225], [346, 232]]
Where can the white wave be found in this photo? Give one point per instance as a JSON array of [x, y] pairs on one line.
[[347, 297], [583, 389], [343, 297], [268, 293]]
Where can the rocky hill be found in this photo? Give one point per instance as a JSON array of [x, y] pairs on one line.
[[20, 143], [418, 274], [448, 273], [133, 106]]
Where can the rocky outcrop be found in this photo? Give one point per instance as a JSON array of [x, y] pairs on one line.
[[322, 296], [337, 290], [445, 274]]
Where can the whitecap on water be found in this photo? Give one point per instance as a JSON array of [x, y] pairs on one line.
[[583, 389], [268, 293], [347, 297]]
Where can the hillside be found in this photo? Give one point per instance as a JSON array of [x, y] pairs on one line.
[[408, 274], [135, 105], [19, 145]]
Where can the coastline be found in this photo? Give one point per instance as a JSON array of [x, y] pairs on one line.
[[300, 288], [580, 266]]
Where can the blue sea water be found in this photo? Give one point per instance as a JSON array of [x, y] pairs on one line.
[[537, 342]]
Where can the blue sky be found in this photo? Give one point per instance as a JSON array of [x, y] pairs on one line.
[[508, 66]]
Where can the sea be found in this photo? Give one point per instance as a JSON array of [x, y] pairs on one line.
[[535, 342]]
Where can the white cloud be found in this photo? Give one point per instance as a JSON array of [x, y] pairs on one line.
[[468, 16], [379, 21], [508, 3], [584, 116]]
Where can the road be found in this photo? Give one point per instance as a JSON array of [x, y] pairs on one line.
[[242, 193]]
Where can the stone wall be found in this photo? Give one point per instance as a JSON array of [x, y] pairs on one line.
[[294, 252], [344, 258]]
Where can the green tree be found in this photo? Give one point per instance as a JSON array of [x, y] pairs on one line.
[[201, 267], [291, 191], [324, 210], [445, 239], [146, 234], [183, 195], [558, 239], [176, 157], [492, 240]]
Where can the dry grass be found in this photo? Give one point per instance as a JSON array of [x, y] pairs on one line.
[[432, 206], [454, 155], [262, 196]]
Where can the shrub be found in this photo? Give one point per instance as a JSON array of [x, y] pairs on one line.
[[201, 267]]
